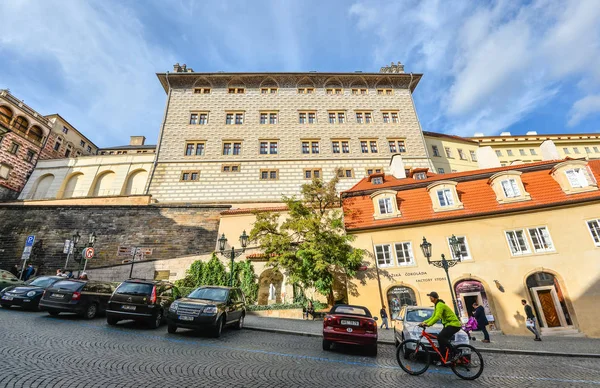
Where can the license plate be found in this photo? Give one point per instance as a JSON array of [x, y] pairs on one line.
[[350, 323], [125, 307], [185, 318], [58, 296], [6, 297]]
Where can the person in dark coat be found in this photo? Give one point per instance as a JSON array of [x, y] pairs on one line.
[[531, 318], [15, 270], [29, 272], [482, 322]]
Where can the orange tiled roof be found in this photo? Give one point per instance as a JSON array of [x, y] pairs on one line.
[[474, 191]]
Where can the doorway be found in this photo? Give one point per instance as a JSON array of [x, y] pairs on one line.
[[469, 300], [548, 300]]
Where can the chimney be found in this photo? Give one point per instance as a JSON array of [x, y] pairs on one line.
[[549, 150], [505, 134], [176, 68], [137, 140], [478, 134], [531, 133], [487, 158], [393, 68], [183, 68], [397, 167]]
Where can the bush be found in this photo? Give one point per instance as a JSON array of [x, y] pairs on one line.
[[285, 306]]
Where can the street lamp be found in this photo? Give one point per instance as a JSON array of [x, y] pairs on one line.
[[234, 253], [71, 248], [92, 239], [443, 263]]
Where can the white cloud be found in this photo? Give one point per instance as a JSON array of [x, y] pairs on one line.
[[583, 108], [97, 55], [489, 65]]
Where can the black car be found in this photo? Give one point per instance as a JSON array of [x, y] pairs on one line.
[[29, 294], [84, 297], [141, 300], [209, 307]]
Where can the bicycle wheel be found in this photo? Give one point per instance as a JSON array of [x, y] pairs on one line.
[[412, 357], [469, 364]]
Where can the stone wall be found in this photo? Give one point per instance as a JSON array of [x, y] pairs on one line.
[[172, 231], [7, 194]]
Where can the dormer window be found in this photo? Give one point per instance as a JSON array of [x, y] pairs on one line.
[[508, 187], [574, 177], [420, 176], [444, 196], [385, 204], [377, 180]]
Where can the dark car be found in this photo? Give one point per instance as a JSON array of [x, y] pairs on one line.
[[141, 300], [84, 297], [353, 325], [209, 307], [29, 294]]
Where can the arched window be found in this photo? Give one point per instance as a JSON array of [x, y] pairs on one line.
[[5, 115], [21, 124], [41, 187], [103, 185], [35, 133], [74, 187], [136, 182]]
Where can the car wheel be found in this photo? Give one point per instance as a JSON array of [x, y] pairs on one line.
[[373, 350], [326, 345], [240, 324], [171, 329], [54, 313], [157, 321], [112, 321], [91, 311], [219, 327]]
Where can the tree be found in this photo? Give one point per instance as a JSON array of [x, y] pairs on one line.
[[310, 244], [214, 273], [245, 278]]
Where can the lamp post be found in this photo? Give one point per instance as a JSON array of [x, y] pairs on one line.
[[234, 252], [74, 241], [91, 241], [443, 263]]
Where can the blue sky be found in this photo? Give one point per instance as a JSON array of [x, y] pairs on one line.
[[489, 66]]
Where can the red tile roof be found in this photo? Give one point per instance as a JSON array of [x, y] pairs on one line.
[[474, 191]]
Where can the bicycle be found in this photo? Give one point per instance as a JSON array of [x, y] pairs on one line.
[[414, 358]]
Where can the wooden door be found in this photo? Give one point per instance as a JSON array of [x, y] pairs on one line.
[[548, 308]]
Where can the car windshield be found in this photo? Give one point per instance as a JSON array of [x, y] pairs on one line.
[[135, 288], [67, 285], [418, 315], [42, 281], [351, 310], [216, 294]]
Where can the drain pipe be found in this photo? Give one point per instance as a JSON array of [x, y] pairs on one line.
[[160, 137]]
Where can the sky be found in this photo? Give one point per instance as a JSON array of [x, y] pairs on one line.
[[489, 66]]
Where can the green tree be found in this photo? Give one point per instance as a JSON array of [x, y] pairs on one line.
[[214, 273], [246, 279], [310, 244]]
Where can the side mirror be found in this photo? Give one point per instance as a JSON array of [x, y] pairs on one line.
[[375, 318]]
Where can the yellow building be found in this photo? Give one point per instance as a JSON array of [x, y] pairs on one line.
[[530, 231], [451, 153]]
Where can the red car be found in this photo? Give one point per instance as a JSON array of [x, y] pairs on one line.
[[353, 325]]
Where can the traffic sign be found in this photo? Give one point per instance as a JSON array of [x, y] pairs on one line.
[[25, 256], [88, 253], [27, 250], [68, 247], [30, 241]]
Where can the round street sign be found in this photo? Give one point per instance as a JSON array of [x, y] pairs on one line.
[[88, 253]]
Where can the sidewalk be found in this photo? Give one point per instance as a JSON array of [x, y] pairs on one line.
[[550, 346]]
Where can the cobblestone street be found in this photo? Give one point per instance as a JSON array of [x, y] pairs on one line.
[[40, 351]]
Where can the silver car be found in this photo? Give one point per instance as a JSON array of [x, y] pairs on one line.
[[406, 326]]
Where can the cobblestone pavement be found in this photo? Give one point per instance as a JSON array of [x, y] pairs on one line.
[[42, 351], [499, 340]]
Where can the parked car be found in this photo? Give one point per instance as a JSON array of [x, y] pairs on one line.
[[407, 322], [7, 279], [353, 325], [84, 297], [29, 294], [208, 307], [141, 300]]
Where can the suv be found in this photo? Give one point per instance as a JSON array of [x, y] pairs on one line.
[[141, 300], [84, 297], [208, 307]]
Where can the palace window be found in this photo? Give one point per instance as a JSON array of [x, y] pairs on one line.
[[5, 170], [312, 173], [57, 144], [509, 152], [364, 117], [192, 149], [269, 147], [89, 149], [368, 146], [332, 91], [269, 175], [14, 148], [194, 118], [404, 253], [310, 147], [397, 146], [473, 156], [268, 118], [532, 151], [230, 168], [307, 117], [337, 117], [306, 90], [30, 155], [236, 90], [345, 173], [268, 91], [65, 130], [189, 176], [390, 117], [371, 171], [387, 92], [461, 154], [377, 180], [566, 150], [234, 118], [201, 90], [576, 150], [517, 242], [384, 255], [82, 143], [594, 227], [231, 148], [540, 237], [436, 151], [448, 152], [356, 92], [465, 254], [498, 153]]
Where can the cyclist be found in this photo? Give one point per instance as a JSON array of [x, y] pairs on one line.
[[450, 321]]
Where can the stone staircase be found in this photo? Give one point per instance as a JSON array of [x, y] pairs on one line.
[[569, 331]]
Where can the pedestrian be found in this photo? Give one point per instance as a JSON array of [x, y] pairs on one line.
[[29, 272], [384, 318], [531, 322], [83, 276], [59, 272], [452, 325], [15, 270], [310, 310], [482, 322]]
